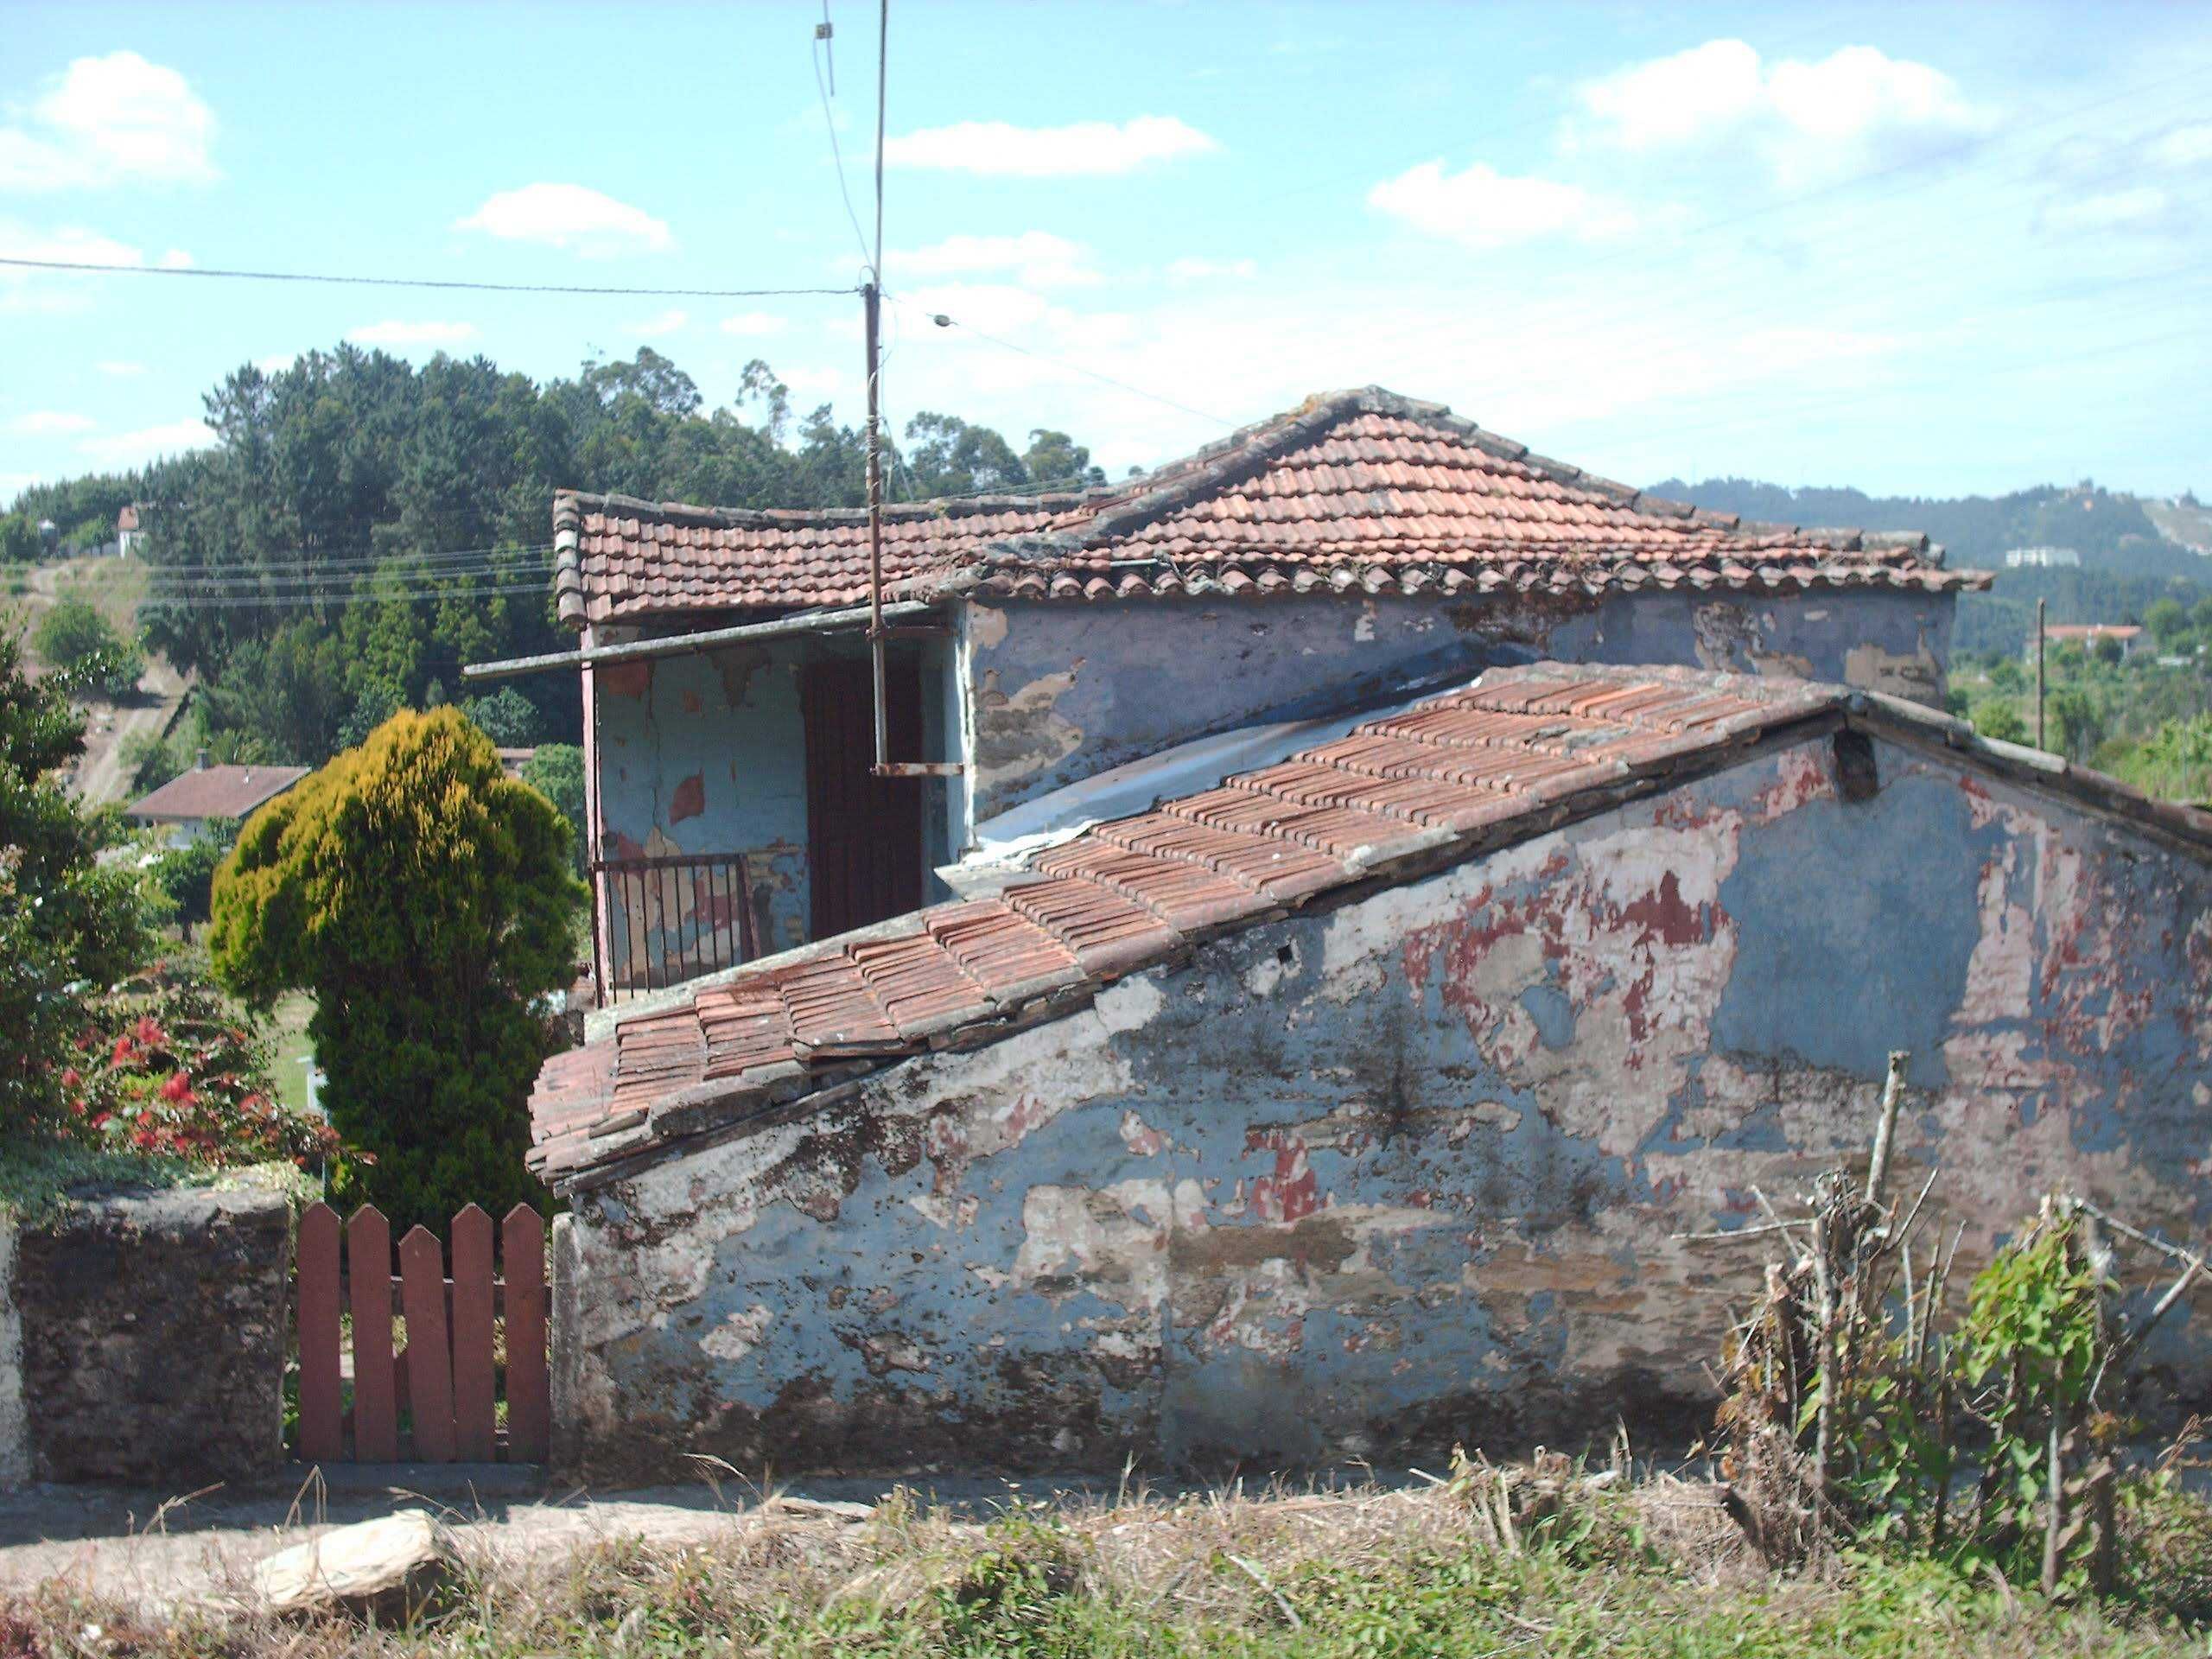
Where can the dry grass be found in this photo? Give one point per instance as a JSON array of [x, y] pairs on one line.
[[1486, 1563]]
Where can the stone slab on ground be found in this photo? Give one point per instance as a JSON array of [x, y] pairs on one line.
[[390, 1568]]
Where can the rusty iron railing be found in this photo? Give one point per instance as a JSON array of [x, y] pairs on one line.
[[670, 919]]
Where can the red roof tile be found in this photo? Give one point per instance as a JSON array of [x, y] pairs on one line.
[[1486, 761], [1359, 491]]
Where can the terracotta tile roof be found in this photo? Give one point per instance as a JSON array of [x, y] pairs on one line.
[[215, 793], [1504, 758], [1360, 491]]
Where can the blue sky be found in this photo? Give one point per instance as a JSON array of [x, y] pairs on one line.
[[1916, 248]]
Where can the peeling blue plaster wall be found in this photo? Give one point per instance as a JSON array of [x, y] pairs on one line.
[[1064, 690], [1363, 1182], [707, 753]]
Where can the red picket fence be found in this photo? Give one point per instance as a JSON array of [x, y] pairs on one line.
[[436, 1399]]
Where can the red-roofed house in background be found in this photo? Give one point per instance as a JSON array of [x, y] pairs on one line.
[[1333, 559], [2088, 635], [191, 801], [127, 531]]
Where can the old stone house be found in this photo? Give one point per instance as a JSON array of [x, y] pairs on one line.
[[1352, 1105], [1307, 568]]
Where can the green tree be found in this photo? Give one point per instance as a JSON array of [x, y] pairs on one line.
[[2166, 618], [951, 457], [73, 635], [186, 874], [507, 717], [2000, 719], [1055, 461], [2080, 721], [557, 772], [68, 926], [424, 897]]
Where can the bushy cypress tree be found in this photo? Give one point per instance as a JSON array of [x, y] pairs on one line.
[[424, 897]]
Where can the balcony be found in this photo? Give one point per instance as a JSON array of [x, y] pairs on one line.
[[657, 922]]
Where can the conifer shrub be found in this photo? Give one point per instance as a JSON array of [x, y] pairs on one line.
[[423, 898]]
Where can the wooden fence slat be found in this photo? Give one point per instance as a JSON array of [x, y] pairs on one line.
[[529, 1416], [475, 1415], [430, 1367], [376, 1422], [322, 1433]]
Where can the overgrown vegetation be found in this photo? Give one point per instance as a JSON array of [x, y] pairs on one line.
[[1858, 1412], [69, 924], [1485, 1564], [424, 897], [72, 635]]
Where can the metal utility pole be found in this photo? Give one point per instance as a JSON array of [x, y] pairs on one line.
[[872, 300], [2039, 606]]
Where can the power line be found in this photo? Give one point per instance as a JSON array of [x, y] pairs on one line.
[[944, 321], [822, 48], [416, 282]]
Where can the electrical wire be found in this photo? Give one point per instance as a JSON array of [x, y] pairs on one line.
[[414, 281], [944, 320], [837, 153]]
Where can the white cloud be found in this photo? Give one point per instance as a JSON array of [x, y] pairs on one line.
[[127, 449], [108, 121], [665, 322], [41, 421], [1084, 148], [1035, 258], [2186, 146], [276, 363], [2109, 211], [177, 259], [1853, 109], [120, 367], [570, 216], [1482, 207], [753, 324], [413, 334], [1193, 270]]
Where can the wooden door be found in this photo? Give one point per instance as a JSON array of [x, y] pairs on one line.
[[863, 833]]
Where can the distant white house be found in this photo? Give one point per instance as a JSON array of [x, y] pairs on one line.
[[2043, 558], [127, 531]]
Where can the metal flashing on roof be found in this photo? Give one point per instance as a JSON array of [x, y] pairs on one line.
[[685, 644]]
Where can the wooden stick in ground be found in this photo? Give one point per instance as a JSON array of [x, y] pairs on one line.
[[2054, 1511], [1878, 1171]]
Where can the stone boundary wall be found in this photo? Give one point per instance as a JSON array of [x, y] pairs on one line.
[[143, 1336]]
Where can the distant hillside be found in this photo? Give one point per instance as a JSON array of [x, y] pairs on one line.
[[2127, 556]]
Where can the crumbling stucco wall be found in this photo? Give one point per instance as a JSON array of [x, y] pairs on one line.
[[1362, 1182], [1064, 690], [707, 753]]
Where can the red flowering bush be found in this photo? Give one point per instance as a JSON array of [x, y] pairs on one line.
[[169, 1070]]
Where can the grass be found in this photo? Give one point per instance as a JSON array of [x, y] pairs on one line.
[[287, 1027], [1445, 1570]]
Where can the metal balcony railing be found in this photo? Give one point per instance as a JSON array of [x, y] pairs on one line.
[[670, 919]]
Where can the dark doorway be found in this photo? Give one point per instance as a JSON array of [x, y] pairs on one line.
[[863, 833]]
